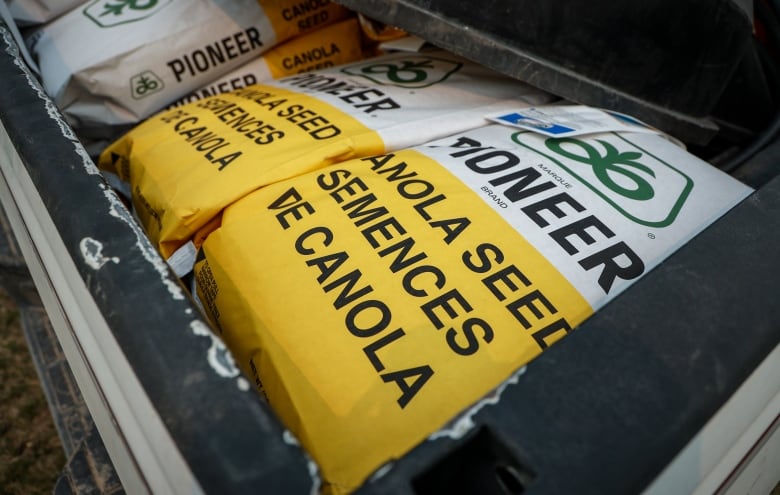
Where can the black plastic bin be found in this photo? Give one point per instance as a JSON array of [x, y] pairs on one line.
[[670, 375]]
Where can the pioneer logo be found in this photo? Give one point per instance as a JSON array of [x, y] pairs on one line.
[[636, 183], [108, 13], [407, 72]]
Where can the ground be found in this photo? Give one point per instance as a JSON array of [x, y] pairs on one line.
[[31, 456]]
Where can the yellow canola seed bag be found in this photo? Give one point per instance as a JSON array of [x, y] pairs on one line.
[[108, 65], [373, 300], [186, 164], [337, 44]]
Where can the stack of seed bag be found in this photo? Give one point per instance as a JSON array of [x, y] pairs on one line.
[[111, 63], [373, 300], [185, 165], [33, 12]]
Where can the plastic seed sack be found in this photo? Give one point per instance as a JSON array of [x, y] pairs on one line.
[[336, 44], [32, 12], [186, 164], [114, 62], [373, 300]]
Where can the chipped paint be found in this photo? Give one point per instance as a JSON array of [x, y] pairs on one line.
[[218, 356], [92, 252], [118, 210], [51, 108], [314, 472], [290, 439], [465, 422]]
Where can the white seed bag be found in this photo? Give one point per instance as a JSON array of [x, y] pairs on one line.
[[112, 63]]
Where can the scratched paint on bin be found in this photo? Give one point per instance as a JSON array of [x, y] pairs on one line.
[[92, 251]]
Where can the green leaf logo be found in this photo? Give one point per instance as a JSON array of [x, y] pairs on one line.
[[641, 186], [109, 13], [408, 71], [145, 84], [612, 162]]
